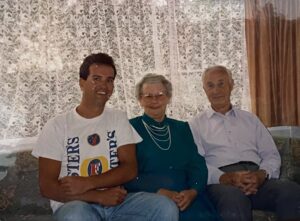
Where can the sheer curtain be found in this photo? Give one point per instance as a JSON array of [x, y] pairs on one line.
[[273, 43], [43, 42]]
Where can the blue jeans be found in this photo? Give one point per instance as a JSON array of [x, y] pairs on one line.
[[281, 197], [139, 206]]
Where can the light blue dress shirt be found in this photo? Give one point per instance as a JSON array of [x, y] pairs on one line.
[[236, 136]]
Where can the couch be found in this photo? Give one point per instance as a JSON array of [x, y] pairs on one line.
[[20, 199], [289, 149]]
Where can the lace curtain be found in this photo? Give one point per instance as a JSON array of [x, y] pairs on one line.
[[43, 42]]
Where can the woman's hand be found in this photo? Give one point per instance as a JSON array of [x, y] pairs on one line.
[[185, 198], [168, 193], [182, 199]]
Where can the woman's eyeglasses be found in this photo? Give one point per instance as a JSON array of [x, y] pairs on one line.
[[148, 96]]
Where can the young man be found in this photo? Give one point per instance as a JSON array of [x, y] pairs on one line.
[[242, 159], [86, 154]]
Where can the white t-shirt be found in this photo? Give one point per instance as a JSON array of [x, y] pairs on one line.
[[85, 146]]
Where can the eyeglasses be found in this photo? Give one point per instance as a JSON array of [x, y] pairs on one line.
[[148, 96]]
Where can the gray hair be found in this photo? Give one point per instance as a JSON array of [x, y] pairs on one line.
[[219, 68], [153, 79]]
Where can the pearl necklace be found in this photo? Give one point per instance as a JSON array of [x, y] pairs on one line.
[[157, 133]]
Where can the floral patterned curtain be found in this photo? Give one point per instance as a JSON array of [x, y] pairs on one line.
[[43, 42]]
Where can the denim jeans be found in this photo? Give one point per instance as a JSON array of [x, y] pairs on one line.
[[139, 206]]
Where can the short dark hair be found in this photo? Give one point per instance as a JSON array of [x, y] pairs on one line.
[[100, 58]]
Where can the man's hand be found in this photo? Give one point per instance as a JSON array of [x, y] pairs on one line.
[[257, 179], [111, 196], [253, 181], [248, 185], [241, 179], [74, 185], [247, 181], [234, 178]]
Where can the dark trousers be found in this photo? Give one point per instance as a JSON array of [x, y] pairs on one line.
[[281, 197]]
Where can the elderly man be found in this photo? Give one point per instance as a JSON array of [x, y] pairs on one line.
[[242, 159]]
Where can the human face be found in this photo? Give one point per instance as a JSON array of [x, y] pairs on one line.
[[99, 85], [218, 87], [154, 100]]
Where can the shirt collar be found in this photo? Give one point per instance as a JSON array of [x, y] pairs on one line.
[[211, 112]]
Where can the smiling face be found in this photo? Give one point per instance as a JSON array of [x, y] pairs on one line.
[[218, 86], [99, 85], [154, 100]]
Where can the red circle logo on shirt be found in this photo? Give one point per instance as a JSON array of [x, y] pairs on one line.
[[93, 139]]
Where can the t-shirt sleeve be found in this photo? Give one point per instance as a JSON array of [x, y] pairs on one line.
[[127, 134], [50, 142]]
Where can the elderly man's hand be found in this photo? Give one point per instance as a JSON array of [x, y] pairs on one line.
[[234, 178], [256, 179], [244, 180]]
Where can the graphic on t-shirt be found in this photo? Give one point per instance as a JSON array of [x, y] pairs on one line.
[[93, 139], [94, 166], [113, 154], [73, 156]]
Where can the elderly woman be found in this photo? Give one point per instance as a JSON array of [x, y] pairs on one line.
[[168, 161]]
